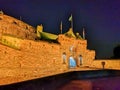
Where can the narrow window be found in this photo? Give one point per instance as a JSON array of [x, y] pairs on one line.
[[64, 57]]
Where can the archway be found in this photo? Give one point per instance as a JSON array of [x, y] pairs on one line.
[[72, 62]]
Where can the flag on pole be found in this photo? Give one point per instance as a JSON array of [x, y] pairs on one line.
[[83, 33], [70, 18], [61, 27]]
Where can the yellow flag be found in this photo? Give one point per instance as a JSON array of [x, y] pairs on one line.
[[70, 18]]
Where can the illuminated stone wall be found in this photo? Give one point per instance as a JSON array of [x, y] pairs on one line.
[[109, 64], [22, 57], [42, 55], [79, 48], [12, 26]]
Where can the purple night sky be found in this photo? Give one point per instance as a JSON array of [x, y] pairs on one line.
[[101, 18]]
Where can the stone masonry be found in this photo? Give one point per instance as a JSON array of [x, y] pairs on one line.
[[22, 58], [17, 28]]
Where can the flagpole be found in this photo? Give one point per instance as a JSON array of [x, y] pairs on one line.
[[83, 33], [72, 23], [61, 27], [20, 18], [71, 20]]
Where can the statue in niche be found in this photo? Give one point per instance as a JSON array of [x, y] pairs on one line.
[[72, 62], [64, 58]]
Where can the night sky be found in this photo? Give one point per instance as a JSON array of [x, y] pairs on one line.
[[101, 19]]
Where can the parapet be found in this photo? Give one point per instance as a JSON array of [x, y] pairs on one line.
[[15, 27]]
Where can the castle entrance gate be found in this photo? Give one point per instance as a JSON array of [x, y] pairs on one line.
[[72, 62]]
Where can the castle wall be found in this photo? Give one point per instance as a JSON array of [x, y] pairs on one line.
[[43, 53], [39, 56], [79, 48], [32, 58], [12, 26], [35, 62], [109, 64], [9, 58], [21, 57]]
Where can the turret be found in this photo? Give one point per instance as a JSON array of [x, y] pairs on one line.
[[70, 33], [39, 29]]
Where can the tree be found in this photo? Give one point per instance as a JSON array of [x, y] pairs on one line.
[[116, 52]]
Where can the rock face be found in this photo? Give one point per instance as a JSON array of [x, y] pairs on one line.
[[17, 28]]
